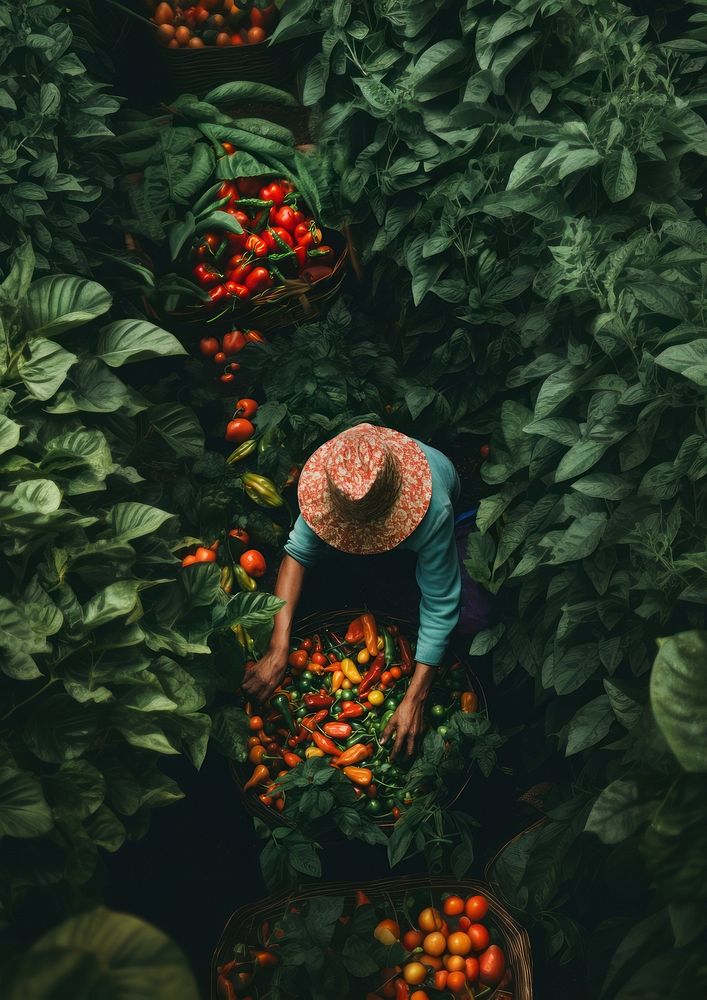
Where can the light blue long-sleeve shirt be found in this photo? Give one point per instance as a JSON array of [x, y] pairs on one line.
[[438, 575]]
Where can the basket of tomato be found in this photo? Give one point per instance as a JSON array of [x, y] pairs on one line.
[[345, 678], [414, 938], [215, 41], [270, 265]]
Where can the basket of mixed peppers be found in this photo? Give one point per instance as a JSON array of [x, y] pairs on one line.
[[415, 938], [263, 258], [335, 701]]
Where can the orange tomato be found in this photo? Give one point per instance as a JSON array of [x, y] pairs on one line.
[[165, 34], [435, 943], [255, 723], [412, 939], [454, 963], [456, 982], [414, 973], [464, 923], [476, 908], [441, 979], [430, 961], [387, 932], [453, 906], [419, 995], [163, 14], [459, 943], [471, 968], [480, 937], [256, 35], [182, 35], [196, 43], [396, 673], [223, 38], [430, 920]]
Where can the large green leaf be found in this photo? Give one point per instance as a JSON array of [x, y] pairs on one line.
[[44, 371], [678, 688], [113, 955], [689, 360], [23, 809], [60, 302], [9, 434], [133, 520], [130, 340], [179, 427]]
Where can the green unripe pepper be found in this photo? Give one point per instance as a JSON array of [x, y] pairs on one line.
[[388, 648], [281, 704], [346, 695]]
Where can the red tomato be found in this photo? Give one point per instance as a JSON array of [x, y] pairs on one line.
[[209, 346], [484, 451], [476, 908], [219, 357], [240, 534], [226, 377], [479, 936], [285, 218], [234, 342], [471, 967], [227, 190], [236, 39], [228, 147], [320, 659], [247, 408], [203, 554], [492, 965], [271, 192], [456, 982], [239, 430], [258, 280], [299, 658], [253, 563], [264, 17]]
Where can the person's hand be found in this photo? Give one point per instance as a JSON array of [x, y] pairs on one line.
[[406, 723], [265, 675]]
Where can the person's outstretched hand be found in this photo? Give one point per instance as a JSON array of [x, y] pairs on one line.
[[406, 723], [264, 676]]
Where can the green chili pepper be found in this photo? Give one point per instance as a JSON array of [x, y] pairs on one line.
[[254, 203], [389, 648], [281, 704]]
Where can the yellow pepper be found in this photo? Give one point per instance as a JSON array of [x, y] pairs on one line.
[[240, 634], [313, 752], [380, 643], [337, 679], [346, 684], [351, 671], [363, 657], [226, 579], [376, 697]]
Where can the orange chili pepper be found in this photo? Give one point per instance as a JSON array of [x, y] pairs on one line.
[[257, 753], [259, 775], [361, 776], [354, 754], [355, 631], [265, 959], [469, 701], [337, 680], [370, 633]]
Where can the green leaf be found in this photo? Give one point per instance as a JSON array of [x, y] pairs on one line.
[[605, 485], [46, 369], [131, 340], [590, 725], [134, 520], [100, 951], [619, 174], [619, 811], [678, 691], [23, 809], [60, 302], [246, 90], [9, 434], [179, 428], [689, 360], [113, 601]]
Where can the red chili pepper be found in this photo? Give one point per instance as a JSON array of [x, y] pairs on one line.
[[291, 759], [318, 700], [355, 631], [337, 730], [325, 744], [406, 654], [372, 675], [402, 990], [236, 290], [370, 633], [205, 275], [258, 280], [361, 898], [351, 710], [256, 246], [217, 293]]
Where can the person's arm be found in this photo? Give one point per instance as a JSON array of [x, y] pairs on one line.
[[266, 674], [302, 550], [439, 579]]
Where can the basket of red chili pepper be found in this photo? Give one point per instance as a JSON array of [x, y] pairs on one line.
[[346, 676], [257, 256], [412, 938]]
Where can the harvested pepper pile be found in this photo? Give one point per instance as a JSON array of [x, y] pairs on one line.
[[432, 946], [335, 702]]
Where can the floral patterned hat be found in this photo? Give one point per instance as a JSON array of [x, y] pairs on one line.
[[379, 468]]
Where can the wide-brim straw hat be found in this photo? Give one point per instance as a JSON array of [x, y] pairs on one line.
[[351, 464]]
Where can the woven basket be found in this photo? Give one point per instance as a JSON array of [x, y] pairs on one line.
[[339, 621], [197, 71], [243, 924]]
